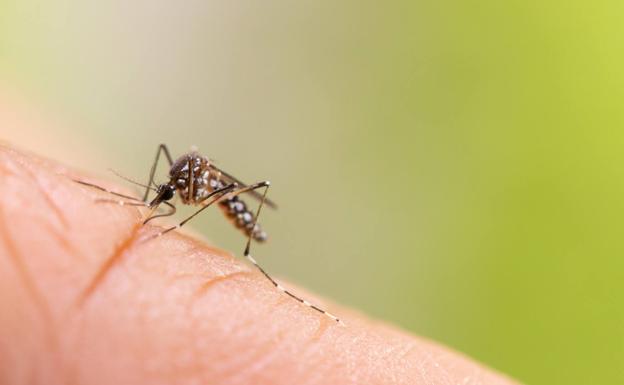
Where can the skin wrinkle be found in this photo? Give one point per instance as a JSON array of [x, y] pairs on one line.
[[317, 368], [200, 294], [110, 262], [47, 198], [18, 261], [194, 372], [51, 329], [17, 258], [226, 277], [285, 298], [324, 322], [264, 358], [235, 366], [255, 362], [43, 193], [63, 241], [320, 331]]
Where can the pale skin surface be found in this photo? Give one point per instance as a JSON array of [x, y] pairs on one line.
[[86, 301]]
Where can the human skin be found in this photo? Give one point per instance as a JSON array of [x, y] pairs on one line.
[[87, 299]]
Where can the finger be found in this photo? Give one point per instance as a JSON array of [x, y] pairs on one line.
[[86, 301]]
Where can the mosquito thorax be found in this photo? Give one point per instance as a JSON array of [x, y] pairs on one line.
[[194, 170], [181, 164]]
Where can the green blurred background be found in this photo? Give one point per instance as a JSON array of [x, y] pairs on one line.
[[454, 167]]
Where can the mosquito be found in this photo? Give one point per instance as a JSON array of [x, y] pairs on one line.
[[199, 182]]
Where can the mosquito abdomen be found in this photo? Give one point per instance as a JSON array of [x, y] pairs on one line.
[[236, 210]]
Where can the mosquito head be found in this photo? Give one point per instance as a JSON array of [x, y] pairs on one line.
[[164, 192]]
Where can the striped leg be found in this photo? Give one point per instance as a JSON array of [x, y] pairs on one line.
[[161, 148], [277, 285], [130, 201], [121, 202], [213, 197], [136, 200]]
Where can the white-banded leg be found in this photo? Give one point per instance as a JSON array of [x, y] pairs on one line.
[[161, 148], [130, 201], [228, 191], [213, 197], [128, 197], [121, 202], [255, 263]]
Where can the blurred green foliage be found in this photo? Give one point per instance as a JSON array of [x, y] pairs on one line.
[[455, 167]]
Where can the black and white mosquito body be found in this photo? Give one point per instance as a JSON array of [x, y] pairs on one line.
[[198, 182]]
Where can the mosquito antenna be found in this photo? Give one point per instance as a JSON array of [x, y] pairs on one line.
[[277, 285], [130, 180]]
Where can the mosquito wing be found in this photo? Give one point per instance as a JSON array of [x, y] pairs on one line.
[[229, 178]]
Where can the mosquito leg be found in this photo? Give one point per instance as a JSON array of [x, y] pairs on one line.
[[213, 197], [255, 263], [161, 148], [121, 202], [170, 213], [133, 201], [106, 190], [172, 208]]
